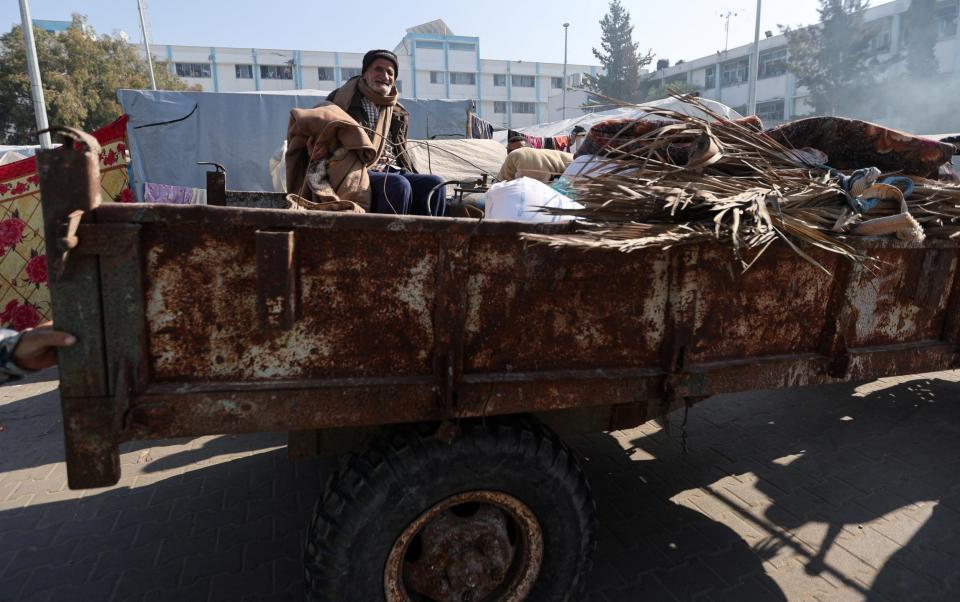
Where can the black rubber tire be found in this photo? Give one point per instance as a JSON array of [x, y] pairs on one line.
[[378, 493]]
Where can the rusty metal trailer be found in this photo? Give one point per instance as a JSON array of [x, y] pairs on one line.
[[477, 346]]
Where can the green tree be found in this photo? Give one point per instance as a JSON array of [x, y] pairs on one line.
[[921, 37], [81, 73], [663, 91], [832, 59], [619, 56], [917, 98]]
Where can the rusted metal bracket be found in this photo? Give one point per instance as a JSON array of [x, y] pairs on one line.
[[216, 184], [276, 279], [449, 318], [951, 322], [90, 427], [70, 185], [833, 339]]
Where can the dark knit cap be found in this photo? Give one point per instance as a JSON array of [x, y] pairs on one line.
[[373, 55]]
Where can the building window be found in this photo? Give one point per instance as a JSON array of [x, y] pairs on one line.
[[325, 74], [436, 77], [710, 78], [193, 69], [500, 80], [461, 47], [880, 36], [463, 79], [500, 106], [527, 108], [524, 81], [428, 45], [679, 78], [742, 109], [244, 71], [770, 111], [773, 63], [276, 72], [947, 19], [348, 72], [735, 72], [556, 83]]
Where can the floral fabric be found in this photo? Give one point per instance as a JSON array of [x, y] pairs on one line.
[[24, 296], [852, 144]]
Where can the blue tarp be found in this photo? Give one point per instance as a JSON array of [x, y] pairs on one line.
[[169, 132]]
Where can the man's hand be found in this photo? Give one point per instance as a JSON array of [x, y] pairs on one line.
[[36, 348]]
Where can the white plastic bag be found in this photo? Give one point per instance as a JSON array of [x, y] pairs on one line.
[[521, 200]]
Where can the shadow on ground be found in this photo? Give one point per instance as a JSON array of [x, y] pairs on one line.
[[825, 467], [823, 457]]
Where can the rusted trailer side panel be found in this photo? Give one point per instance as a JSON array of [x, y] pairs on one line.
[[491, 323], [221, 320]]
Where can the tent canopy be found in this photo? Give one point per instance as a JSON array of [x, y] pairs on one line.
[[563, 127], [169, 132]]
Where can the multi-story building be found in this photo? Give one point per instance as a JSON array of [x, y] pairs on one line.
[[434, 63], [725, 75]]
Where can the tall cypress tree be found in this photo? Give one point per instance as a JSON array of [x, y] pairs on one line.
[[619, 56], [921, 23], [831, 58]]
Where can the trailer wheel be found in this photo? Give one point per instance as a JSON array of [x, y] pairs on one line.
[[503, 512]]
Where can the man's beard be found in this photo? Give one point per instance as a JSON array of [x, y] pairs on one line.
[[382, 88]]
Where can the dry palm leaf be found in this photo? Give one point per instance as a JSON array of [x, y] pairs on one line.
[[692, 179]]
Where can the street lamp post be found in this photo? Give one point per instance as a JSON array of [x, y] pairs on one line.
[[146, 45], [566, 28], [755, 68], [33, 68]]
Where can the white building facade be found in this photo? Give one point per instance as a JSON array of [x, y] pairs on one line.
[[434, 63], [725, 75]]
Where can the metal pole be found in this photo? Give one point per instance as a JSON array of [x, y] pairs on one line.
[[33, 68], [755, 66], [566, 28], [146, 45]]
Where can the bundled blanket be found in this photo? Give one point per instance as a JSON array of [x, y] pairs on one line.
[[327, 156]]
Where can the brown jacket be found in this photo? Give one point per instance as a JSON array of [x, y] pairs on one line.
[[398, 127], [316, 134], [537, 163]]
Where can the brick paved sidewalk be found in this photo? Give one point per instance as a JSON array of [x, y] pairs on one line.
[[830, 493]]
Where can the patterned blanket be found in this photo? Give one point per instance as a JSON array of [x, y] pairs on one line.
[[853, 144], [24, 296]]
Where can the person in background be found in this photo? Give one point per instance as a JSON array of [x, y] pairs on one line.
[[30, 350], [541, 164], [515, 142], [371, 99]]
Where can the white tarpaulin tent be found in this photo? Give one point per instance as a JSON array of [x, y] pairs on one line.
[[564, 127], [457, 159]]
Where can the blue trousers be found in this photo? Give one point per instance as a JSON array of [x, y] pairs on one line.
[[407, 193]]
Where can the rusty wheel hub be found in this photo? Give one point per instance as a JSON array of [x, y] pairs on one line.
[[470, 547]]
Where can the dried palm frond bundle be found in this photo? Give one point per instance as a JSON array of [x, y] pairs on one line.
[[690, 179]]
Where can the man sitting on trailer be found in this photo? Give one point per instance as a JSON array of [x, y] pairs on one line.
[[371, 99]]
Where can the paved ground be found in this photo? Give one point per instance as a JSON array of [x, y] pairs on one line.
[[832, 493]]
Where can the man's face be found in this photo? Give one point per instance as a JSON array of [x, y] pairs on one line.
[[515, 145], [380, 76]]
